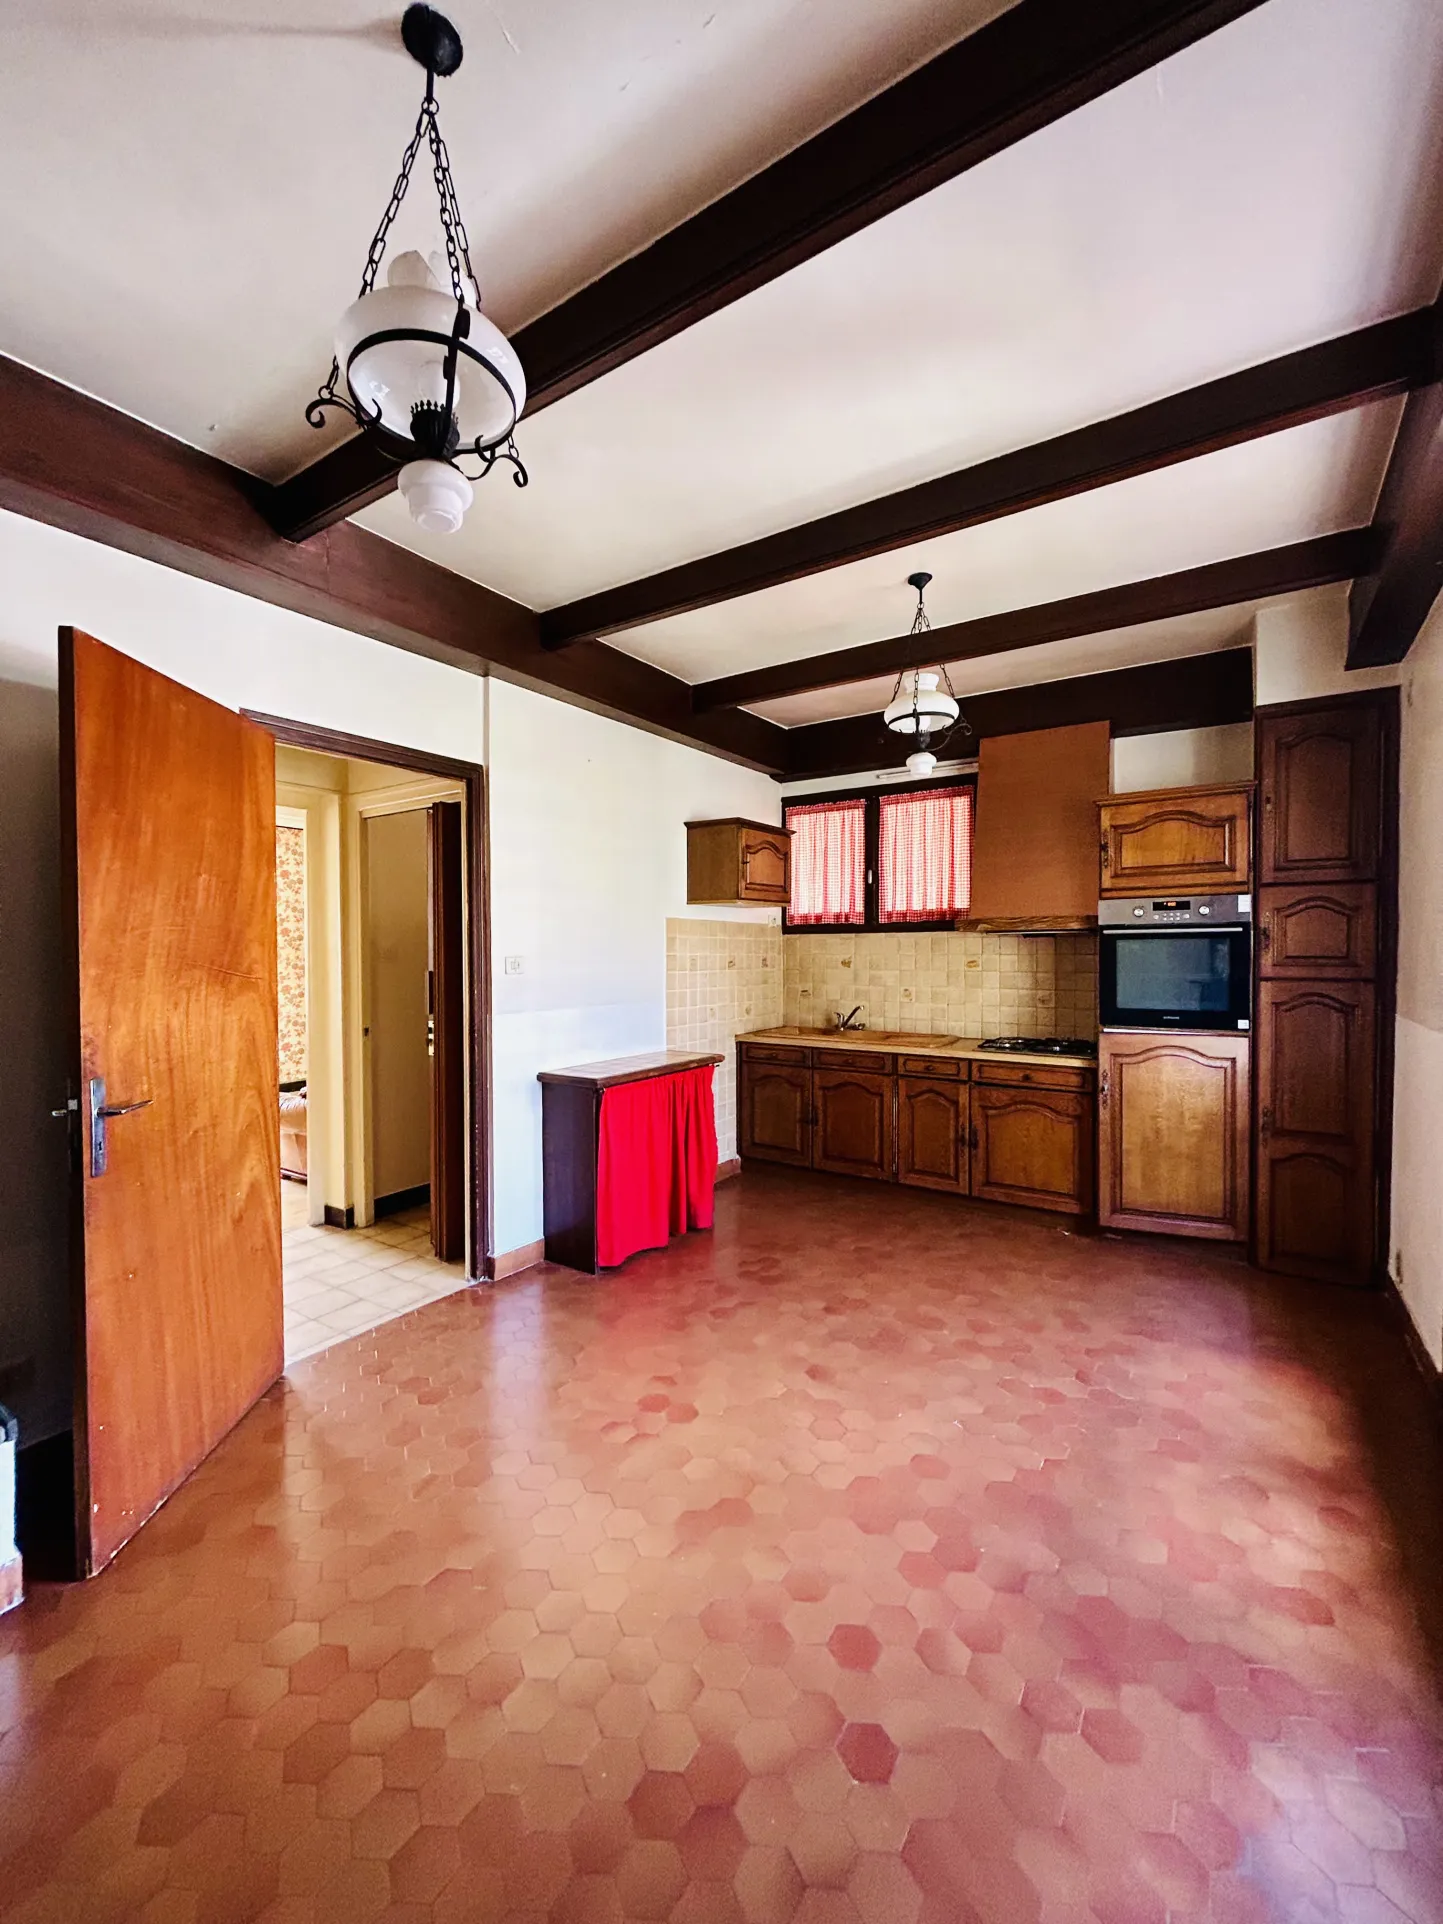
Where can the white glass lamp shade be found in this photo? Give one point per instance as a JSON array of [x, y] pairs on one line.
[[407, 366], [437, 494], [922, 762], [922, 709]]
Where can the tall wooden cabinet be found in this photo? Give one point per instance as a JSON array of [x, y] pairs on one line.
[[1325, 963]]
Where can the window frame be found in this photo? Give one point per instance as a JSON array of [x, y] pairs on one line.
[[871, 839]]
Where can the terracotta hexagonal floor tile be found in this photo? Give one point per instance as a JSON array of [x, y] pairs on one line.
[[868, 1752]]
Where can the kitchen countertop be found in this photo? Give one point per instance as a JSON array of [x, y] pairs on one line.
[[896, 1043]]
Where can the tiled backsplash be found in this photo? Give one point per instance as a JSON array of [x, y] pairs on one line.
[[722, 978], [965, 985]]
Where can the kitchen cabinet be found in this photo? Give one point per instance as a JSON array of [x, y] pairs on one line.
[[1323, 1024], [932, 1132], [1032, 1146], [852, 1122], [1320, 770], [1002, 1130], [775, 1119], [1316, 1049], [1180, 841], [1173, 1134], [738, 861], [1322, 930]]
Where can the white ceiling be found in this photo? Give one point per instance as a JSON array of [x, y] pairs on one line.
[[192, 191], [192, 188], [1256, 193]]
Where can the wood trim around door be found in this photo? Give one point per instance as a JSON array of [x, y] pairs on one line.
[[480, 1262]]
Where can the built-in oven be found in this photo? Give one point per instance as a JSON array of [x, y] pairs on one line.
[[1178, 963]]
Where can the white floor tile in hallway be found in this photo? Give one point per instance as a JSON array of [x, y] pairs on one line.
[[339, 1282]]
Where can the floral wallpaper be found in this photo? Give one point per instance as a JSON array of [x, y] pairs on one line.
[[291, 949]]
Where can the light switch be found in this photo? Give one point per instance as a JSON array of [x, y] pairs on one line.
[[514, 964]]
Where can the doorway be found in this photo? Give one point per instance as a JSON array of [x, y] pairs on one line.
[[381, 983]]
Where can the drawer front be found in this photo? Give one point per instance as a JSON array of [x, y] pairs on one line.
[[852, 1059], [1032, 1076], [775, 1052], [931, 1066]]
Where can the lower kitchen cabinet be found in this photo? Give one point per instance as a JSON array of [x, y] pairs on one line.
[[852, 1127], [1173, 1134], [932, 1123], [775, 1111], [1032, 1146], [1316, 1189], [1020, 1133]]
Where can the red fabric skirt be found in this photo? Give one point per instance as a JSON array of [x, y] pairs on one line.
[[655, 1163]]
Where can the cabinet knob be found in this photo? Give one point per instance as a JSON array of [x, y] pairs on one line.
[[1265, 936], [1104, 1090], [1106, 855], [1265, 1121]]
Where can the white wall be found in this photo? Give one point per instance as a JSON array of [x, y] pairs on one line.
[[397, 918], [1183, 758], [588, 859], [1417, 1234], [1300, 649]]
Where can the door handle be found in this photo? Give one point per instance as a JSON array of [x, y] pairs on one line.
[[1104, 1089], [1265, 1120], [101, 1112]]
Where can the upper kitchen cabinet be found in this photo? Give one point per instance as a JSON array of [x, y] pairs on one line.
[[738, 861], [1320, 772], [1034, 857], [1176, 841]]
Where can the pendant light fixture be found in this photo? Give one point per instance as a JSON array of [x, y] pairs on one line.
[[919, 708], [418, 367]]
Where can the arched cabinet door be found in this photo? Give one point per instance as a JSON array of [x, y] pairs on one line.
[[1324, 930], [1316, 1201], [1320, 774], [1173, 1134], [932, 1130], [1189, 841]]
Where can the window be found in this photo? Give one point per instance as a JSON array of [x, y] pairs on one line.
[[893, 857]]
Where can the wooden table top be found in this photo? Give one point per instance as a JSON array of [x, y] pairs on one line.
[[603, 1075]]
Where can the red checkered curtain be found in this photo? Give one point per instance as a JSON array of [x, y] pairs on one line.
[[925, 855], [829, 861]]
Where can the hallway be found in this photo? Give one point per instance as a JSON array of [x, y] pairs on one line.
[[339, 1282], [873, 1560]]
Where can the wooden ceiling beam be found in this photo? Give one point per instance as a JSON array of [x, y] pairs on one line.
[[1387, 358], [1033, 64], [77, 464], [1390, 603], [1198, 691], [1220, 584]]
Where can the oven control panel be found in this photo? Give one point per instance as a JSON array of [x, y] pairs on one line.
[[1194, 911]]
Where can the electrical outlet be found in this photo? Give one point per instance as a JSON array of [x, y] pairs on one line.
[[515, 964]]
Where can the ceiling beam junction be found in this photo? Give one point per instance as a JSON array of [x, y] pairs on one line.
[[1219, 584], [1032, 65], [1390, 602]]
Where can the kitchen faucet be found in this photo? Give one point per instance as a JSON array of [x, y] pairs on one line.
[[849, 1021]]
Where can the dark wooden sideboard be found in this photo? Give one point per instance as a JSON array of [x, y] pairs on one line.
[[570, 1130]]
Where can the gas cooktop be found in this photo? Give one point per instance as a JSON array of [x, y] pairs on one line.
[[1041, 1045]]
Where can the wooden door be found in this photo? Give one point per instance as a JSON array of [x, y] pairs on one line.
[[1032, 1146], [766, 865], [1320, 773], [446, 1029], [1173, 1134], [776, 1111], [1316, 1199], [932, 1133], [1322, 930], [853, 1130], [1188, 841], [168, 816]]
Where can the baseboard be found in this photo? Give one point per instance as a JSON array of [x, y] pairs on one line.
[[1417, 1348], [400, 1199], [340, 1218], [726, 1170], [511, 1262]]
